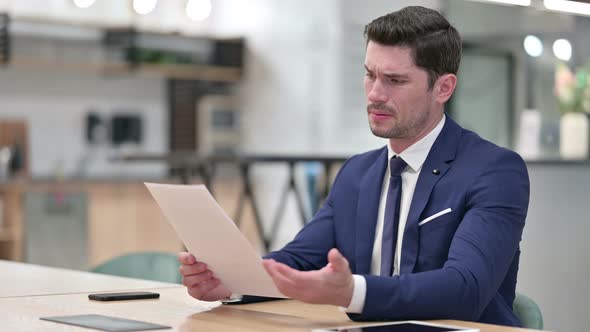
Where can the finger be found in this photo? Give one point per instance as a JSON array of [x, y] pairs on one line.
[[339, 263], [276, 269], [212, 290], [268, 265], [294, 276], [195, 279], [196, 268], [196, 293], [305, 286], [186, 258], [207, 286], [283, 283], [272, 269]]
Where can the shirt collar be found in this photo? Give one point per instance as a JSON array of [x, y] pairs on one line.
[[416, 154]]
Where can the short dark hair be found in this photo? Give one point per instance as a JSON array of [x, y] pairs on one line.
[[435, 43]]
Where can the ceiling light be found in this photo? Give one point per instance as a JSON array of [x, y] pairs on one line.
[[533, 46], [513, 2], [144, 7], [562, 49], [574, 7], [198, 10], [83, 3]]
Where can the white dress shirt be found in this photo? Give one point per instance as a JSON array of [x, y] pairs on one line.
[[414, 156]]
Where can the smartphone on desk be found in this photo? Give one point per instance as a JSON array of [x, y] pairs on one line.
[[123, 296]]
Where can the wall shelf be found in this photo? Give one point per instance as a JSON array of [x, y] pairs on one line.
[[169, 71], [58, 46]]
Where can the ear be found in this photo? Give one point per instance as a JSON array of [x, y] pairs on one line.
[[444, 87]]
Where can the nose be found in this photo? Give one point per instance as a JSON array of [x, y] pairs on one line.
[[375, 92]]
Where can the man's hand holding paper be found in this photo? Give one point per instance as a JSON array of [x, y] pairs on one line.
[[199, 280], [224, 261]]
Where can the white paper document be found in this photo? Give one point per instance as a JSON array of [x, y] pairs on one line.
[[210, 235]]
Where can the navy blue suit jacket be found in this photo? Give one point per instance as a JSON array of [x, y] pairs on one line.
[[461, 265]]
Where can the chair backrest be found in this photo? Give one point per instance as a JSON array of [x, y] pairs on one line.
[[158, 266], [528, 312]]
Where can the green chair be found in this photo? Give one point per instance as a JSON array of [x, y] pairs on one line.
[[528, 312], [158, 266]]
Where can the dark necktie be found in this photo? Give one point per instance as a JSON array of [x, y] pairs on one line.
[[391, 219]]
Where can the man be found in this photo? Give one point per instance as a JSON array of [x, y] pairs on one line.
[[425, 228]]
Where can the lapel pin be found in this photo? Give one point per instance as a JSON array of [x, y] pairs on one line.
[[435, 171]]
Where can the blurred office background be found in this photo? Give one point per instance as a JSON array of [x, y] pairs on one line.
[[98, 96]]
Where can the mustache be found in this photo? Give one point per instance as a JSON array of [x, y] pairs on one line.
[[380, 107]]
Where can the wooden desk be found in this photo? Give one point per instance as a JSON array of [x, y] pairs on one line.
[[28, 292], [177, 309], [20, 279]]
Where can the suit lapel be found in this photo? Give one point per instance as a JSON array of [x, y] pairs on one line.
[[366, 213], [442, 152]]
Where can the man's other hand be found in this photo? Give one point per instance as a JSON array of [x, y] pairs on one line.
[[333, 284], [199, 280]]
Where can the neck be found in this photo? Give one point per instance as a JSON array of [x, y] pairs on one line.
[[400, 144]]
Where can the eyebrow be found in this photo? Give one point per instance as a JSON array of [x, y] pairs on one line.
[[390, 75]]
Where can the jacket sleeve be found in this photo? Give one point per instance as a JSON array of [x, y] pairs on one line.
[[480, 254]]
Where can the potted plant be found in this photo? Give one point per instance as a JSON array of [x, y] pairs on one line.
[[573, 94]]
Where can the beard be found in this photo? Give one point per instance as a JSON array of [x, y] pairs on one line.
[[399, 129]]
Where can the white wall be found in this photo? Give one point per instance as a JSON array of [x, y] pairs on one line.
[[555, 260], [289, 63], [55, 106]]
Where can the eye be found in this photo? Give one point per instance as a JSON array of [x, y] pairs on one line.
[[396, 81], [370, 75]]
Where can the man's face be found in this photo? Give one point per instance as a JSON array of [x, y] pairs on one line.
[[399, 101]]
